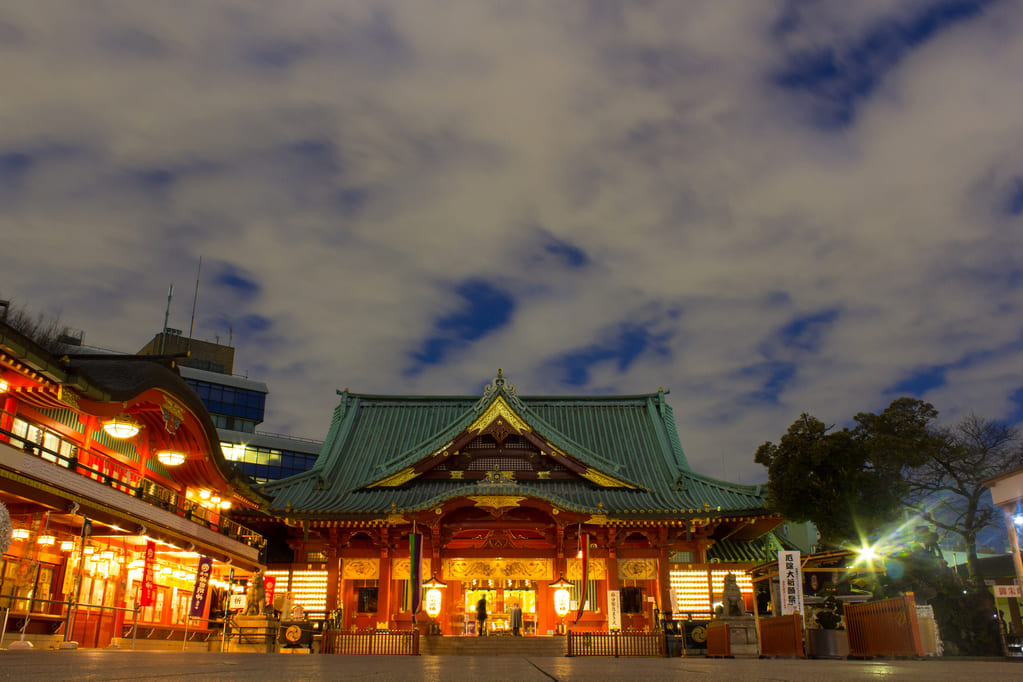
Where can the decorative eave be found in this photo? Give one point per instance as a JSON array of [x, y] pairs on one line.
[[498, 416]]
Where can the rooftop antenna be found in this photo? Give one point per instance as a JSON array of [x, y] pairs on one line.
[[195, 299], [166, 318]]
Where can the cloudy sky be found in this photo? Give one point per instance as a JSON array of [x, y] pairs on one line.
[[767, 207]]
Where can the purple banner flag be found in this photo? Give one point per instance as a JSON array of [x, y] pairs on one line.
[[415, 571], [202, 587]]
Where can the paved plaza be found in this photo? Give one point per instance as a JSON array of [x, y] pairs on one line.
[[129, 665]]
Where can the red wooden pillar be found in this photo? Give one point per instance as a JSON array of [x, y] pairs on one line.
[[384, 584], [7, 418], [333, 572]]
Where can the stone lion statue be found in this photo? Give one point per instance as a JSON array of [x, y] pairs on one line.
[[255, 597], [732, 598]]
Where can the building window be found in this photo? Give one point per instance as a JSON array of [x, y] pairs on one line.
[[367, 600], [632, 600]]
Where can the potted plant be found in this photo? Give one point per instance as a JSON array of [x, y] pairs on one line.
[[829, 639]]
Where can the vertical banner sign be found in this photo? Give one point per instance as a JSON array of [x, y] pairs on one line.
[[25, 574], [415, 571], [269, 587], [584, 556], [614, 610], [202, 584], [790, 579], [147, 597]]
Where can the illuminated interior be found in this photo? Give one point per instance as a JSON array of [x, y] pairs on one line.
[[694, 588]]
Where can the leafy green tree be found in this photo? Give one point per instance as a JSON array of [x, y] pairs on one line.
[[948, 489], [848, 482]]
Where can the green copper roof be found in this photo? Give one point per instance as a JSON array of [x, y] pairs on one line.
[[630, 438]]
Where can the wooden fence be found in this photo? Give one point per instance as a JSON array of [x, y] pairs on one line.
[[719, 642], [883, 628], [782, 637], [372, 642], [615, 644]]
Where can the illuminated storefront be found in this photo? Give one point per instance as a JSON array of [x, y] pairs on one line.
[[103, 461], [507, 493]]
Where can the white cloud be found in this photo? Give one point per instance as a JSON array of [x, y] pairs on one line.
[[650, 138]]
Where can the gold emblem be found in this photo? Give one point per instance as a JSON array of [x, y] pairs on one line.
[[496, 501], [499, 409]]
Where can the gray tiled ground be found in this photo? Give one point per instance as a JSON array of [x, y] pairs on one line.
[[128, 665]]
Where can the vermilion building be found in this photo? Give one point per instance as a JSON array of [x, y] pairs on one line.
[[121, 447], [506, 490]]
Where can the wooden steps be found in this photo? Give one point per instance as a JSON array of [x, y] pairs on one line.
[[498, 645]]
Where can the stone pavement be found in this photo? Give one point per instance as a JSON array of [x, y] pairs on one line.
[[139, 665]]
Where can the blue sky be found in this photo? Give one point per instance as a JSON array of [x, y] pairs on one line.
[[766, 207]]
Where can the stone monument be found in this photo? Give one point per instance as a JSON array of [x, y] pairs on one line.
[[742, 628]]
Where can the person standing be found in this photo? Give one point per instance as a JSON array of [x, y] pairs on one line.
[[516, 619], [481, 616]]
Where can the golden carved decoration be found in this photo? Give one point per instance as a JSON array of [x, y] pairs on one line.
[[543, 475], [498, 569], [500, 409], [171, 406], [574, 569], [395, 520], [496, 501], [400, 568], [438, 511], [604, 480], [598, 520], [637, 569], [456, 474], [360, 569], [394, 480], [67, 397]]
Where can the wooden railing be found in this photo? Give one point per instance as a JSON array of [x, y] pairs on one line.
[[615, 644], [884, 628], [782, 637], [372, 642], [120, 477]]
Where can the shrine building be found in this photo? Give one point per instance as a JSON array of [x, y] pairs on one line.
[[510, 493]]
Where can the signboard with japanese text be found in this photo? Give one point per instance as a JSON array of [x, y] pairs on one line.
[[269, 588], [1007, 591], [614, 610], [147, 594], [790, 581], [201, 590]]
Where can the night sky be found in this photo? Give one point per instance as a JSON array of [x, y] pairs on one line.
[[765, 207]]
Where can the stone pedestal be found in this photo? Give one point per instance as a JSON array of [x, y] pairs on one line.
[[742, 635], [256, 634]]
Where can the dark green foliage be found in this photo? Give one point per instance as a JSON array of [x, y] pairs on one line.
[[848, 482], [963, 608], [829, 616]]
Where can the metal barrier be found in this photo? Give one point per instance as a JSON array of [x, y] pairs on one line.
[[64, 622], [782, 637], [372, 642], [616, 644], [719, 643], [883, 628]]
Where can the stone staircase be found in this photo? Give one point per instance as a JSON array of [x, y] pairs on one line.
[[498, 645]]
